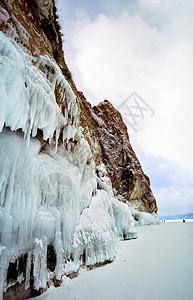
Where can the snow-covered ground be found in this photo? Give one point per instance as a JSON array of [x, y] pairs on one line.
[[158, 265]]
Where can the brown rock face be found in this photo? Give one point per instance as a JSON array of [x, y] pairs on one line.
[[34, 23], [109, 141], [128, 180]]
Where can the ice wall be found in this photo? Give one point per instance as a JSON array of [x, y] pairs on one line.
[[51, 199], [42, 197]]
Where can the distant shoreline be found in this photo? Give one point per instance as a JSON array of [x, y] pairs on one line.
[[176, 221], [188, 216]]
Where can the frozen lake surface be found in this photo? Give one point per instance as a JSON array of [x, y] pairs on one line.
[[156, 266]]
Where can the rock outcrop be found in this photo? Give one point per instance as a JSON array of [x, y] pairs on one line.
[[130, 183], [107, 135]]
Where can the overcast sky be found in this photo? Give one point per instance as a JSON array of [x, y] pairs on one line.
[[114, 48]]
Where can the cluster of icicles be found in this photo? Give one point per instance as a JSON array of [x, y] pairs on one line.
[[28, 101]]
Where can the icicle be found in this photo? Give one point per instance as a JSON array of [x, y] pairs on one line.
[[57, 134], [39, 261], [64, 135], [65, 115]]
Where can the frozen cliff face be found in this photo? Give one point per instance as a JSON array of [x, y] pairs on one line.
[[48, 184], [34, 24]]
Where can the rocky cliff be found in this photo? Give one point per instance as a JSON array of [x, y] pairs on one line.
[[109, 141], [63, 162]]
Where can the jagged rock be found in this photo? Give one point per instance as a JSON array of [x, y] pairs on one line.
[[127, 177], [108, 138]]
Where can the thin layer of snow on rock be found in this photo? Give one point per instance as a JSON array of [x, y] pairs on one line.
[[5, 22]]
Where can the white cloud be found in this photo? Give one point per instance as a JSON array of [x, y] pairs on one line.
[[149, 52], [118, 51]]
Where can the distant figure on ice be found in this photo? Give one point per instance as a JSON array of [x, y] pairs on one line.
[[184, 221]]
